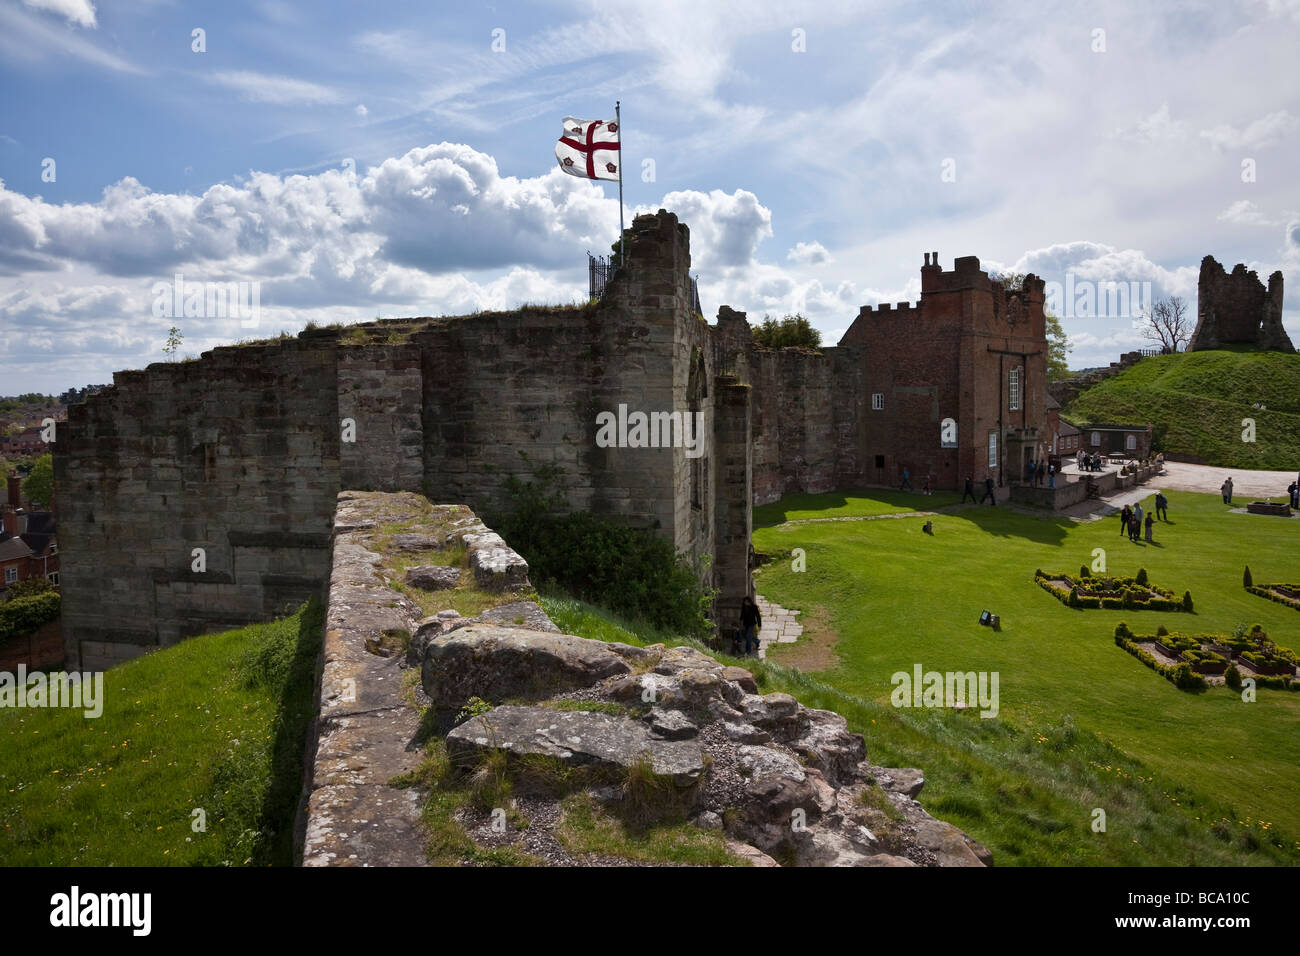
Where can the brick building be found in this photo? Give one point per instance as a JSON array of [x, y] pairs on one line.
[[957, 381], [28, 545]]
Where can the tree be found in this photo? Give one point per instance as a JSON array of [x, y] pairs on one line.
[[39, 484], [792, 331], [1166, 321], [174, 338], [1058, 343]]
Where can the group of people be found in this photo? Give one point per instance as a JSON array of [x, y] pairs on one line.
[[1133, 521], [1090, 462], [906, 484], [1292, 491], [988, 492], [1038, 470]]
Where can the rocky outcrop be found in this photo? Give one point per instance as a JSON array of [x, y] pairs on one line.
[[789, 782]]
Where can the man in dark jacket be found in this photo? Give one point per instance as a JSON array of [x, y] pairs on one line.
[[751, 620], [988, 493], [970, 490]]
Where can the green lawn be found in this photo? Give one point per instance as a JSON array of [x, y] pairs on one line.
[[897, 597], [217, 723]]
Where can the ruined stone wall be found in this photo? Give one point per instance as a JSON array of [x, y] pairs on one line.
[[236, 454], [1235, 308], [242, 452]]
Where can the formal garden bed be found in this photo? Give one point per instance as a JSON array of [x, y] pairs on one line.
[[1186, 660], [1288, 594], [1086, 590]]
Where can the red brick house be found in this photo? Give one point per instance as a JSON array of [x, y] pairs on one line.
[[26, 442], [1118, 441], [957, 381], [28, 543]]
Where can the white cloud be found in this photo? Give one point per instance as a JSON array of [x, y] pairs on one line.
[[1258, 134], [726, 228], [809, 254], [1156, 128], [80, 12], [266, 88], [1244, 213], [362, 111]]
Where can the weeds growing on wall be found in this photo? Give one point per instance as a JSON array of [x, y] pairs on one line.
[[634, 572]]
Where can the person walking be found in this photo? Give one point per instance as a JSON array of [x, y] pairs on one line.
[[1031, 472], [1134, 528], [750, 620], [1123, 519], [1162, 506], [907, 481], [1150, 522], [1226, 489], [1051, 475], [1293, 490], [1137, 512], [970, 490], [988, 493]]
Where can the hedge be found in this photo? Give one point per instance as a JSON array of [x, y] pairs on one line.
[[1263, 591], [1127, 601], [22, 616], [1181, 675]]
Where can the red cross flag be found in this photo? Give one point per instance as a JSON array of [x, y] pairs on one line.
[[589, 148]]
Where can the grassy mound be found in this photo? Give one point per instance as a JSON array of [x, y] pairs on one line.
[[1196, 400], [214, 724]]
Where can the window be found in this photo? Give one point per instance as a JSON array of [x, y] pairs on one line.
[[54, 548], [1013, 383], [11, 575], [1131, 442], [993, 449], [1096, 439], [877, 401], [880, 461], [53, 578]]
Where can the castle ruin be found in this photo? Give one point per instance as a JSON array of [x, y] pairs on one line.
[[1234, 308], [198, 496]]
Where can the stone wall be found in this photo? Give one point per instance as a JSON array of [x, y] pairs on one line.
[[236, 455], [241, 453], [1235, 308]]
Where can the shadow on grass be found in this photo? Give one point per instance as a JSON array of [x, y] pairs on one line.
[[294, 714]]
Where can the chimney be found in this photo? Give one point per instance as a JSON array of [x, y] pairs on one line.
[[11, 522], [15, 491]]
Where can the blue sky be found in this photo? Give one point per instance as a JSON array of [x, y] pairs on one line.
[[384, 159]]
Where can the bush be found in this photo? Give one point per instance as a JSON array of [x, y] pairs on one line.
[[1142, 577], [23, 615], [30, 587], [1184, 678], [1187, 601], [1232, 676], [1246, 580], [1083, 571], [1162, 631], [1074, 596], [632, 572], [793, 331]]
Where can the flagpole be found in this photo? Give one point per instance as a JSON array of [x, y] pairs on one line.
[[622, 242]]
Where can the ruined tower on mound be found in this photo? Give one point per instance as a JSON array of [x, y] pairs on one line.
[[1235, 309]]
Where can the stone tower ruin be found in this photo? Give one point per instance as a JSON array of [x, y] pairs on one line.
[[1235, 309]]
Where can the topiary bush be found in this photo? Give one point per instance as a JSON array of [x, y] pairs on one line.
[[1142, 577], [1187, 601], [1232, 677], [1162, 631], [1246, 579]]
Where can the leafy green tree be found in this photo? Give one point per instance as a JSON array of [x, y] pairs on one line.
[[39, 485], [174, 338], [792, 331]]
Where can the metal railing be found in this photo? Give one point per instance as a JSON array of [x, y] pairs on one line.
[[600, 270]]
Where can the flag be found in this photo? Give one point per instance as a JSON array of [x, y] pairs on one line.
[[589, 148]]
